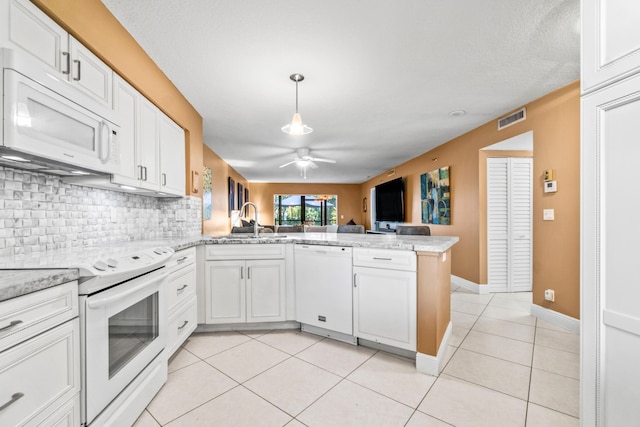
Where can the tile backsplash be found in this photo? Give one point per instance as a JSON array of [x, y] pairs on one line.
[[39, 212]]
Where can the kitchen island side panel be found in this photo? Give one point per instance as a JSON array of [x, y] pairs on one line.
[[434, 300]]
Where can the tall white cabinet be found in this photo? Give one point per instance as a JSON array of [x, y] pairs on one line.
[[610, 313]]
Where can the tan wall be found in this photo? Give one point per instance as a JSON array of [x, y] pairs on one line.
[[555, 121], [220, 223], [91, 22], [349, 200]]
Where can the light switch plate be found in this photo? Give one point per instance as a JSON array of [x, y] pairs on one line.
[[548, 214]]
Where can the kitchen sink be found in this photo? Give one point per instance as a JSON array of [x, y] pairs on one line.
[[264, 236]]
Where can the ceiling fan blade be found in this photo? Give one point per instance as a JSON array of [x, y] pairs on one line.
[[312, 165], [317, 159], [289, 163]]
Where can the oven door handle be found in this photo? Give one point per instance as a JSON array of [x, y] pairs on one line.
[[101, 302]]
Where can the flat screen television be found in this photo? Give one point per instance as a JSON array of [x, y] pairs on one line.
[[390, 201]]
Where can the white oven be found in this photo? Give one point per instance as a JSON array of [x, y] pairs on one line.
[[46, 118], [123, 335]]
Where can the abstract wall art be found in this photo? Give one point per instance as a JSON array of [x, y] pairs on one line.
[[435, 196]]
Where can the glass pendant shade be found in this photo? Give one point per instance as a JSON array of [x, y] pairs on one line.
[[296, 127]]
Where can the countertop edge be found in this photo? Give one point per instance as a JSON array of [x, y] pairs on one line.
[[27, 281]]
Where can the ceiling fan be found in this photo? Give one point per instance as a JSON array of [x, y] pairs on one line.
[[304, 161]]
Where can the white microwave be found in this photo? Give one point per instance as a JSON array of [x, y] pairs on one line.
[[47, 122]]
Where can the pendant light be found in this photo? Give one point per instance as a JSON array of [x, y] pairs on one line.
[[296, 127]]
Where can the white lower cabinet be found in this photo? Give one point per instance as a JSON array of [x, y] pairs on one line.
[[245, 290], [265, 291], [182, 302], [40, 379], [384, 300]]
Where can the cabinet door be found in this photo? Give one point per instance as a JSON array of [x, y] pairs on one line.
[[225, 292], [126, 101], [39, 375], [265, 291], [610, 317], [172, 157], [89, 73], [26, 27], [148, 156], [610, 41], [385, 306]]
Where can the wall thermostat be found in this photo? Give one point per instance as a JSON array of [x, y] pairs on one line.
[[550, 186]]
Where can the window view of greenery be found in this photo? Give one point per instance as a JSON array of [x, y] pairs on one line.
[[298, 209]]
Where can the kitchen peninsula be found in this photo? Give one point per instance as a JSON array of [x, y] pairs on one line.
[[432, 275], [429, 263]]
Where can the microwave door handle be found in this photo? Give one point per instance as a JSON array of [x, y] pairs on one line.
[[101, 302], [105, 141]]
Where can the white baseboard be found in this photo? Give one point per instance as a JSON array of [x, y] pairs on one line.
[[558, 319], [433, 365], [467, 284]]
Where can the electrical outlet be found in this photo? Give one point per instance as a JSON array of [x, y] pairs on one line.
[[549, 295]]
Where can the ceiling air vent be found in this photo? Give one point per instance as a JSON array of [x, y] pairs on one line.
[[511, 119]]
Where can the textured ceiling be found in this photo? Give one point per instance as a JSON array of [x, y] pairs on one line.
[[380, 76]]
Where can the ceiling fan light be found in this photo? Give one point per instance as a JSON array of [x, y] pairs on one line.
[[296, 127]]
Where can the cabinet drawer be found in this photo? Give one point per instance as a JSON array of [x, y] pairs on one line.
[[244, 251], [26, 316], [67, 415], [180, 286], [40, 374], [382, 258], [181, 324], [182, 258]]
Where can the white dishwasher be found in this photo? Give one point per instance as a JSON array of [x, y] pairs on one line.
[[324, 296]]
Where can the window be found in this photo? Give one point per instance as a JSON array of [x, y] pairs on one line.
[[298, 209]]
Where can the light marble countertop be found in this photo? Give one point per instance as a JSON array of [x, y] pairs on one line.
[[14, 283], [24, 273], [374, 241]]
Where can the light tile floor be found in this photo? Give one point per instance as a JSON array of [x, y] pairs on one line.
[[504, 368]]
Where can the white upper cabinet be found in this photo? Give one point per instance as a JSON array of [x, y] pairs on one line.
[[147, 137], [126, 101], [610, 41], [172, 157], [89, 73], [148, 145], [26, 27]]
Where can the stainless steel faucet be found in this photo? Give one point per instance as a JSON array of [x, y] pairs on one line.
[[255, 217]]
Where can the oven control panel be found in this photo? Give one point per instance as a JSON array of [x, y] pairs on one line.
[[113, 269]]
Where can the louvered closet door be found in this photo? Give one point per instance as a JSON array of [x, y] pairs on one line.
[[509, 225]]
